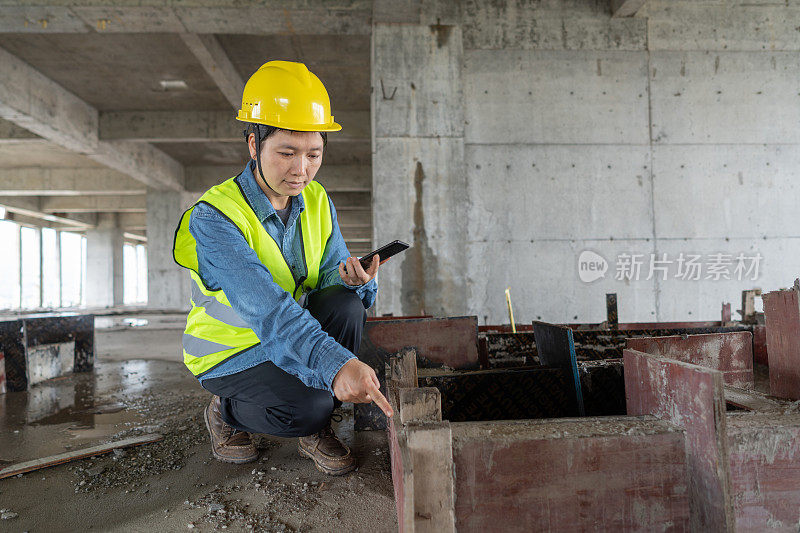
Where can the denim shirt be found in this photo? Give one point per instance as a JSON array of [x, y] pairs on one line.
[[290, 337]]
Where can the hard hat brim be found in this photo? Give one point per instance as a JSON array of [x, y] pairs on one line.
[[333, 126]]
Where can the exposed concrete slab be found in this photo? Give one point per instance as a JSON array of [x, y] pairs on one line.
[[556, 97], [536, 192], [41, 19], [35, 102], [548, 25], [729, 25], [38, 181], [416, 81], [308, 17], [726, 191], [544, 281], [130, 66], [218, 66], [725, 97]]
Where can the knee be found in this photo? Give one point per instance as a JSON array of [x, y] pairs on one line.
[[313, 413], [351, 308]]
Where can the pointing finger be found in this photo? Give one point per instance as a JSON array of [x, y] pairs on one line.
[[379, 399]]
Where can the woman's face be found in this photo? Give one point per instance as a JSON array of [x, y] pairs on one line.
[[289, 159]]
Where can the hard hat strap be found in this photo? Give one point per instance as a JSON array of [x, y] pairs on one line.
[[258, 158]]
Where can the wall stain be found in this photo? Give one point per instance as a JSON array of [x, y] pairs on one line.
[[421, 286], [442, 33]]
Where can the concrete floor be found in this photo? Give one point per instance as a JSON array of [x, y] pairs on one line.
[[138, 387]]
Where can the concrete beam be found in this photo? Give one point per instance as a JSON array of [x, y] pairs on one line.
[[204, 126], [626, 8], [309, 17], [82, 204], [135, 222], [31, 208], [38, 104], [29, 181], [215, 62]]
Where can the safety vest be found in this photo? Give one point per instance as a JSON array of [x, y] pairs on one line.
[[214, 332]]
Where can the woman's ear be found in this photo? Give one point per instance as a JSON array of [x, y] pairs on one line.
[[251, 145]]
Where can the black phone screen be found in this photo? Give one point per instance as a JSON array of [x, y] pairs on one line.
[[385, 252]]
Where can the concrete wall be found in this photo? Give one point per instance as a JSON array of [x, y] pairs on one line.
[[675, 131]]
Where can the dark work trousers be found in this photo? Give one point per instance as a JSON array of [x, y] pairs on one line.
[[265, 399]]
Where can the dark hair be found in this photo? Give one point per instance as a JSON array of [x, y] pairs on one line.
[[265, 131]]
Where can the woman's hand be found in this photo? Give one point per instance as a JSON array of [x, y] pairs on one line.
[[356, 382], [353, 273]]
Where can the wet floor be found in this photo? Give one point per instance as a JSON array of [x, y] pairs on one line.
[[84, 409], [173, 484]]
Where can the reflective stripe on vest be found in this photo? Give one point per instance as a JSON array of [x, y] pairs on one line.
[[214, 331], [216, 309]]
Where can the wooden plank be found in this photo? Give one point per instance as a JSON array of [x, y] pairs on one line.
[[556, 348], [782, 317], [403, 368], [604, 474], [750, 400], [419, 404], [449, 341], [36, 464], [730, 353], [690, 397], [430, 445]]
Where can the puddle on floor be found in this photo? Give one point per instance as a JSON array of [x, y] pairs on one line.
[[85, 409]]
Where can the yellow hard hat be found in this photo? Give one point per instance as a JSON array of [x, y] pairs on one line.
[[287, 95]]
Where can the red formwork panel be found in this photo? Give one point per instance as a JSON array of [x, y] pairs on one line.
[[452, 341], [730, 353], [599, 474], [691, 397], [782, 316], [764, 451]]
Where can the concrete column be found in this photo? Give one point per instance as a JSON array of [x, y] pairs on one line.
[[167, 283], [419, 183], [104, 246]]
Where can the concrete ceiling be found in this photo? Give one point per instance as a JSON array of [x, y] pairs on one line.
[[116, 78], [119, 72]]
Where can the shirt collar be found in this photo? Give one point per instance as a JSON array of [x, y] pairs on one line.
[[258, 200]]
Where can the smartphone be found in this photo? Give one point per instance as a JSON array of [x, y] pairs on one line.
[[385, 252]]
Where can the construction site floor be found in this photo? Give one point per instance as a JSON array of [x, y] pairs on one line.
[[174, 484]]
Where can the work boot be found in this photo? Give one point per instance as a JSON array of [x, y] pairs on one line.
[[227, 444], [329, 454]]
